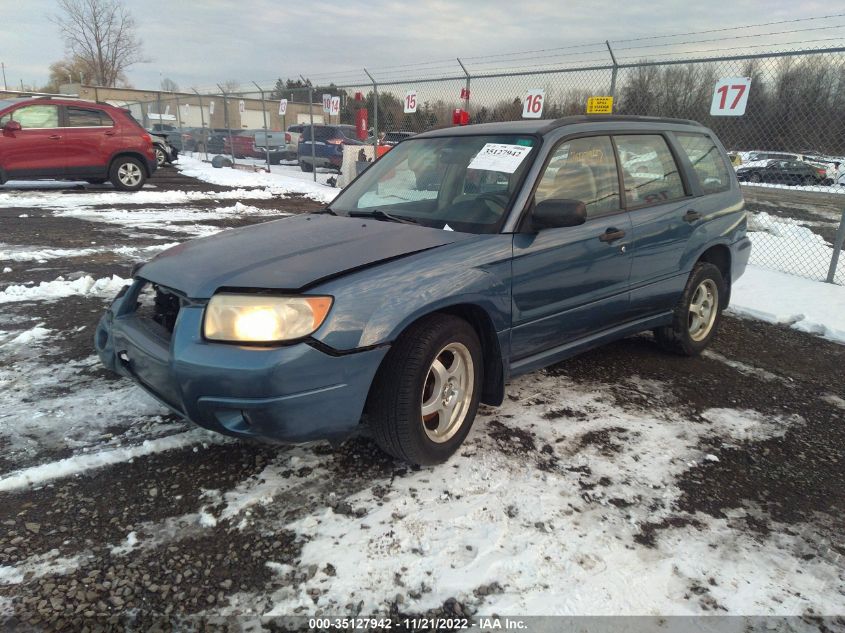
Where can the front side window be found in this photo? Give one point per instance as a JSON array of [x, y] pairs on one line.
[[462, 183], [707, 162], [37, 116], [83, 117], [583, 169], [648, 170]]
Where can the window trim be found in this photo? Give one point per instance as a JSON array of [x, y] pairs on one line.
[[724, 158], [679, 164]]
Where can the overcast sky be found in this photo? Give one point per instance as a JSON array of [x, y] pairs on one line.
[[201, 42]]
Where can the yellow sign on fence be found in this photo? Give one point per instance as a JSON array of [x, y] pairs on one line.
[[599, 105]]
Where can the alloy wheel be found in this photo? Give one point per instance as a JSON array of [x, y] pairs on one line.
[[447, 392]]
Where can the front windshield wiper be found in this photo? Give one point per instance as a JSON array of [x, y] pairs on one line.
[[378, 214]]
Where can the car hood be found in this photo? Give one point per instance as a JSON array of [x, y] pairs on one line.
[[288, 254]]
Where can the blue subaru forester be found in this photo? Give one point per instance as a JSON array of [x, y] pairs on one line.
[[460, 259]]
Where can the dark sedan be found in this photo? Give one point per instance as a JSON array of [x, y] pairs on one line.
[[781, 172]]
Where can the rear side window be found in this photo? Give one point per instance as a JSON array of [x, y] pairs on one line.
[[648, 170], [83, 117], [37, 116], [707, 162], [583, 169]]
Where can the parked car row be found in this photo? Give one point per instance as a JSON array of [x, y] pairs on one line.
[[788, 167]]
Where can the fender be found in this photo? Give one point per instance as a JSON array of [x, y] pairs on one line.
[[373, 306]]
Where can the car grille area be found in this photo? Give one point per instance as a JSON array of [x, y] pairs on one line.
[[158, 307]]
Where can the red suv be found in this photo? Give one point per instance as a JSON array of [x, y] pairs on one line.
[[70, 139]]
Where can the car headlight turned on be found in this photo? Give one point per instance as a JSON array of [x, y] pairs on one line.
[[263, 319]]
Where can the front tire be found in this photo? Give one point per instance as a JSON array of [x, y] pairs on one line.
[[755, 177], [425, 394], [161, 157], [305, 166], [697, 314], [127, 174]]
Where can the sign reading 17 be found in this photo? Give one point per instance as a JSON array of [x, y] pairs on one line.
[[723, 90], [730, 96]]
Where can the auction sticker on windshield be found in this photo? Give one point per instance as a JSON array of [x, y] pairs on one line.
[[499, 157]]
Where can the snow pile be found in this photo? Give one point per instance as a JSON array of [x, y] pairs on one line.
[[36, 254], [789, 247], [27, 337], [277, 183], [49, 290], [49, 200], [809, 306]]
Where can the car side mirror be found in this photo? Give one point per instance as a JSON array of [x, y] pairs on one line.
[[557, 213], [12, 126]]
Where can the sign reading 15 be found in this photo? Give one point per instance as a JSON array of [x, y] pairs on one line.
[[410, 102], [730, 96]]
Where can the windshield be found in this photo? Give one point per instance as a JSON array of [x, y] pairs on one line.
[[459, 183]]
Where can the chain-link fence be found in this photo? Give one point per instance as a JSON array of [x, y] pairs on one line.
[[788, 148]]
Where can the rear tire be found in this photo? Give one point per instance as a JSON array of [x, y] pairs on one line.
[[127, 174], [305, 166], [419, 407], [697, 314], [755, 177]]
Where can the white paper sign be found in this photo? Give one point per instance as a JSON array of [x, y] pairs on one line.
[[211, 107], [499, 157], [186, 109], [532, 107], [730, 96], [334, 106], [410, 102], [241, 106], [283, 107], [327, 103]]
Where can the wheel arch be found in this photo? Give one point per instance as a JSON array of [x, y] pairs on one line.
[[720, 256], [131, 154]]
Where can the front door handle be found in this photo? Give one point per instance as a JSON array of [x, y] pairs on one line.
[[611, 235], [54, 137], [692, 216], [110, 133]]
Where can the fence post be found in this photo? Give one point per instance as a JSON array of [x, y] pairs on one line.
[[311, 129], [228, 126], [375, 112], [160, 121], [466, 103], [266, 131], [612, 72], [204, 135], [837, 249], [178, 115]]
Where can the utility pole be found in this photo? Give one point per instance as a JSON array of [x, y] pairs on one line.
[[3, 65]]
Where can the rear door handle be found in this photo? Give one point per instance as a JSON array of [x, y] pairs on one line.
[[692, 216], [54, 137], [611, 235]]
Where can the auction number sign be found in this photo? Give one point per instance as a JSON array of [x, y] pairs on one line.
[[211, 107], [283, 107], [532, 107], [334, 106], [241, 106], [327, 103], [730, 96], [410, 102]]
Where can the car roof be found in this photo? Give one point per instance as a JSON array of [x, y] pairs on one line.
[[545, 126], [71, 101]]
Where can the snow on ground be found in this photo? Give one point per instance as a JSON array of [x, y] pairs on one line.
[[50, 200], [171, 219], [282, 179], [777, 297], [61, 287], [555, 537]]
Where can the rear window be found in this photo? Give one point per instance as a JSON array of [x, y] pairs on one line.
[[84, 117], [707, 161], [648, 170]]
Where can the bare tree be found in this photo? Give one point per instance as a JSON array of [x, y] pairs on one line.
[[168, 85], [100, 33]]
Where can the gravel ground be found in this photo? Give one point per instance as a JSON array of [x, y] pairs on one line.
[[218, 527]]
